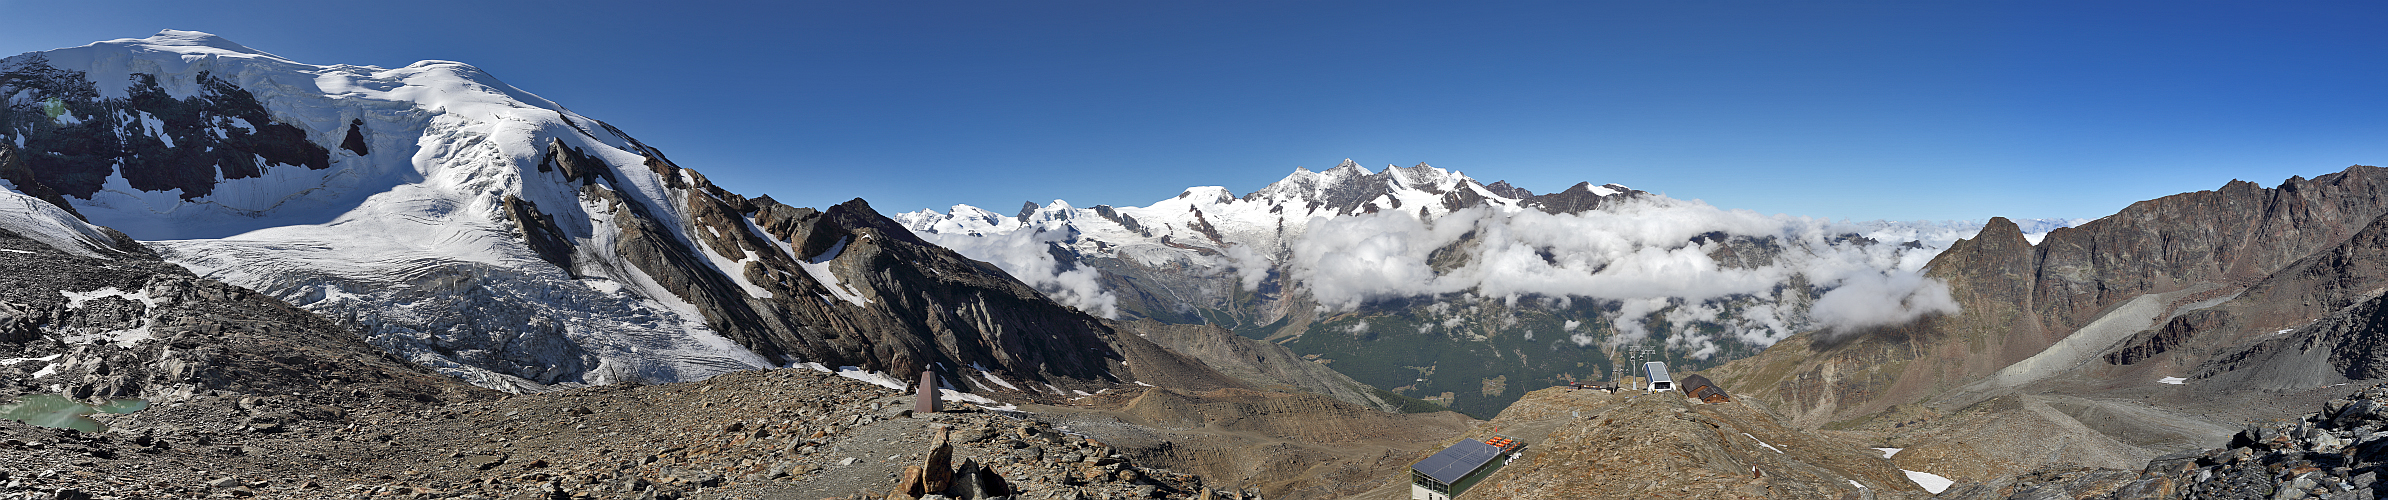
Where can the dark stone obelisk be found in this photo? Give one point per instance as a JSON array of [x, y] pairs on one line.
[[926, 401]]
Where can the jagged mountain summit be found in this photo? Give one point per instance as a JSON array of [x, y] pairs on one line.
[[1435, 285], [1211, 228], [496, 236]]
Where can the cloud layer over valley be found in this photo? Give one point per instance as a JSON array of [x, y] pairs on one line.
[[1646, 254], [1347, 238]]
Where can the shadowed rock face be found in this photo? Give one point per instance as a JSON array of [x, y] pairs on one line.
[[162, 143], [2318, 321], [13, 170], [355, 142]]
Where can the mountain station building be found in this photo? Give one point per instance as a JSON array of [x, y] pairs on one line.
[[1659, 381], [1452, 471]]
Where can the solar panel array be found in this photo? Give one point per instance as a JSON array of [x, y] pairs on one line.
[[1452, 463]]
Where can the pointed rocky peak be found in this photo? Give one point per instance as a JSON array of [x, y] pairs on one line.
[[1027, 208], [1504, 189], [1998, 250], [1422, 176], [1576, 199], [1300, 183], [2001, 228], [856, 214]]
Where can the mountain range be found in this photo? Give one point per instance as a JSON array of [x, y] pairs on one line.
[[1431, 284], [450, 286]]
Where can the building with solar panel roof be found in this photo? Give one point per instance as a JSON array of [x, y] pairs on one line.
[[1452, 471]]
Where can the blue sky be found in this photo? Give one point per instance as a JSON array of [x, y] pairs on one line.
[[1862, 110]]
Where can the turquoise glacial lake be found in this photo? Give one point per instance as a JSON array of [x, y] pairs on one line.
[[60, 412]]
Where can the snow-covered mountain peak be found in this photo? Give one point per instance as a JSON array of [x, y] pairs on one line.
[[491, 234], [191, 44], [1206, 195], [338, 186]]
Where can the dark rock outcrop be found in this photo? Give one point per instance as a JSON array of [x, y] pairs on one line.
[[576, 164], [539, 231], [75, 139], [355, 142], [13, 170]]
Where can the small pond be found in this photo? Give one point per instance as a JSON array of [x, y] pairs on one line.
[[54, 411]]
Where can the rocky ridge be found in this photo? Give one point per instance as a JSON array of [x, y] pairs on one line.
[[1264, 365], [2138, 335], [2020, 299]]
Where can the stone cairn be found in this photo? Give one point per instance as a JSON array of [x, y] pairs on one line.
[[937, 477]]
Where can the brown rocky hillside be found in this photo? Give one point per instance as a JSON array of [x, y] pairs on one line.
[[2153, 330], [1590, 444]]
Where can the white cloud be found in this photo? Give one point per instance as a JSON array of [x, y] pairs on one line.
[[1030, 260], [1251, 267], [1641, 255], [1872, 300]]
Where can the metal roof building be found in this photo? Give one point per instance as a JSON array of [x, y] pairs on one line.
[[1658, 376], [1451, 471]]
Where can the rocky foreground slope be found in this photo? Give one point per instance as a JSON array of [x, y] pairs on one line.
[[788, 433], [2340, 452], [1587, 444]]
